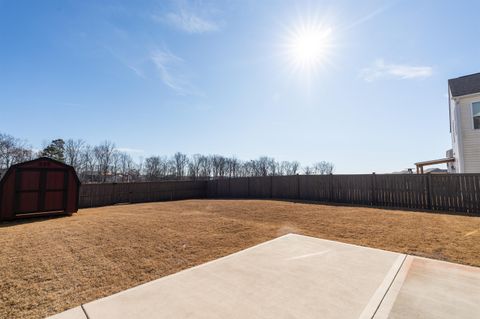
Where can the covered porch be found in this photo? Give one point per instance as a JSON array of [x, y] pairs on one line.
[[421, 165]]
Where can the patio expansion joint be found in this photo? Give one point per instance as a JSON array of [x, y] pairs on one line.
[[390, 285], [85, 312]]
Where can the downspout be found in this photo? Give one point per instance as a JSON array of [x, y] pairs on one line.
[[459, 129]]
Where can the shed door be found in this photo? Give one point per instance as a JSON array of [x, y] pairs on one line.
[[40, 190]]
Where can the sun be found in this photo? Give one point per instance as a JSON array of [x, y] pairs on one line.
[[308, 46]]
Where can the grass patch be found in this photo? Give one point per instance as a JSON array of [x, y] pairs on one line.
[[50, 265]]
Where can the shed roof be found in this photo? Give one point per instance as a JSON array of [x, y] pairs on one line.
[[465, 85], [7, 171]]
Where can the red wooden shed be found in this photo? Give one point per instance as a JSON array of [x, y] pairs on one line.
[[39, 187]]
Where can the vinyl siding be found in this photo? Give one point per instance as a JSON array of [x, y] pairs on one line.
[[470, 136]]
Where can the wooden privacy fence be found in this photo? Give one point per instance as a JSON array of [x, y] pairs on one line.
[[453, 192], [92, 195]]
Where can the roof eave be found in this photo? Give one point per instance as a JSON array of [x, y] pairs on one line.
[[465, 95]]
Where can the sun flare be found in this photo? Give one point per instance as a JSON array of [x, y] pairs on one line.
[[308, 47]]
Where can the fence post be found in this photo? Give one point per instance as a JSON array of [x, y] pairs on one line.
[[330, 195], [129, 190], [91, 197], [374, 193], [298, 186], [230, 187], [271, 186], [248, 187], [112, 195], [429, 190]]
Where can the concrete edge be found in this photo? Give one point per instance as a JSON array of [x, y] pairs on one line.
[[386, 305], [458, 265], [73, 313], [378, 296], [348, 244]]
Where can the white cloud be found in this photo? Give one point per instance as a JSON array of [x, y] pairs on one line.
[[368, 17], [171, 71], [381, 69], [189, 18]]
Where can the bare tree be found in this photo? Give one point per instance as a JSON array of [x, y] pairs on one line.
[[171, 169], [181, 163], [294, 167], [249, 168], [13, 150], [165, 168], [126, 166], [273, 167], [139, 168], [87, 164], [307, 170], [283, 168], [232, 167], [104, 156], [73, 152], [115, 164], [152, 168], [265, 166], [205, 166], [322, 168], [218, 166], [194, 166]]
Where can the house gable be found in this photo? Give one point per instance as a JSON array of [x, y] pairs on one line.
[[464, 85]]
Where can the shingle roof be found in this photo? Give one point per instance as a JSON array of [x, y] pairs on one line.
[[464, 85]]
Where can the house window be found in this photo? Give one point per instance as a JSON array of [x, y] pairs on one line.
[[476, 115]]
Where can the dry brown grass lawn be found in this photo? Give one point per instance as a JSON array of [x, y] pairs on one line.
[[50, 265]]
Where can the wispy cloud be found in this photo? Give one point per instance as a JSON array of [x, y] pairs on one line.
[[190, 18], [171, 70], [368, 17], [381, 69], [133, 66]]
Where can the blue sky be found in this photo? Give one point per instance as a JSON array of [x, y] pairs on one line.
[[158, 77]]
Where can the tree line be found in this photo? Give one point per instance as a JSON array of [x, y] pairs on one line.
[[105, 163]]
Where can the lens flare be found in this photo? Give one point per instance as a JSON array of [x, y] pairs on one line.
[[308, 46]]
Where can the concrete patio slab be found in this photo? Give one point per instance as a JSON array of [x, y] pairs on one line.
[[427, 288], [296, 276], [290, 277], [74, 313]]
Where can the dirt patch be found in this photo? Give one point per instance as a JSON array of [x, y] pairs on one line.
[[50, 265]]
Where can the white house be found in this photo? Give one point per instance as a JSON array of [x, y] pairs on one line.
[[464, 111], [464, 107]]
